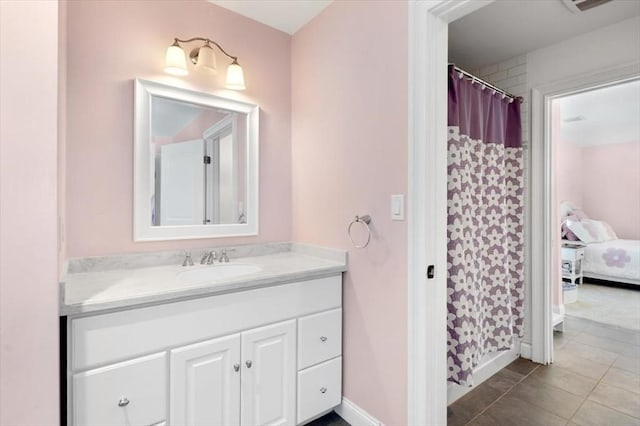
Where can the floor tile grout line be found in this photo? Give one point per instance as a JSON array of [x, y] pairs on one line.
[[501, 396], [599, 403]]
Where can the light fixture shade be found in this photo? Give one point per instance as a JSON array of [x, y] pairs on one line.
[[175, 62], [206, 60], [235, 77]]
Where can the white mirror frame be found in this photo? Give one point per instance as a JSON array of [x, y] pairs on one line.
[[142, 188]]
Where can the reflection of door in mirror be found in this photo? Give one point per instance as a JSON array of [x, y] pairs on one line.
[[221, 176], [195, 164], [181, 177], [195, 171]]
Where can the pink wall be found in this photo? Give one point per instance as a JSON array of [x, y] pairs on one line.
[[28, 186], [604, 180], [611, 186], [349, 155], [102, 63]]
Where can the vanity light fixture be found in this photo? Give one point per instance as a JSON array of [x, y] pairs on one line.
[[203, 58]]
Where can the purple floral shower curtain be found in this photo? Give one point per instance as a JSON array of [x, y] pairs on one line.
[[485, 225]]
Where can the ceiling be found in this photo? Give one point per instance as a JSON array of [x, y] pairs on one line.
[[602, 116], [508, 28], [285, 15], [170, 116]]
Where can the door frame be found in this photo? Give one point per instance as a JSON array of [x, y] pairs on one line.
[[427, 201], [542, 192]]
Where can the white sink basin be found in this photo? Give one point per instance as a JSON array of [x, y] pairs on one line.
[[216, 273]]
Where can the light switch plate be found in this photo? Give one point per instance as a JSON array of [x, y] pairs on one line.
[[397, 207]]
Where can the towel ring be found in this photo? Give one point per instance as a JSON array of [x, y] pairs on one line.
[[365, 220]]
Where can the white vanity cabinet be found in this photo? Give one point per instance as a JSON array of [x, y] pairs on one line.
[[205, 383], [266, 356]]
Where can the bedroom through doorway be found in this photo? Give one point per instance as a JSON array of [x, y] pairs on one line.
[[595, 179]]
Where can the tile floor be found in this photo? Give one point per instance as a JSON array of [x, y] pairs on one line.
[[594, 381]]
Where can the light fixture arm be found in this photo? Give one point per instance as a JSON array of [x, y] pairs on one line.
[[177, 40]]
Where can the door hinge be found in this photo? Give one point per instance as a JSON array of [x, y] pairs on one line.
[[207, 159]]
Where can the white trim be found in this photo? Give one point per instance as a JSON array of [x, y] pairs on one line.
[[525, 350], [541, 195], [355, 415], [490, 365], [142, 228], [427, 164]]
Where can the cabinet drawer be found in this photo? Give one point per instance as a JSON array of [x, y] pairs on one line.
[[111, 337], [128, 393], [319, 389], [319, 337]]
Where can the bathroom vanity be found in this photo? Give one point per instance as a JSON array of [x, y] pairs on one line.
[[147, 346]]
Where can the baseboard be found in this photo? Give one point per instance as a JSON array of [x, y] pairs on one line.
[[355, 415], [525, 350], [488, 367]]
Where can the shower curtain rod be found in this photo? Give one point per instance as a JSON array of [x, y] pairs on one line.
[[485, 83]]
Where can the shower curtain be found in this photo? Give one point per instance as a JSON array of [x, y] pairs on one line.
[[485, 225]]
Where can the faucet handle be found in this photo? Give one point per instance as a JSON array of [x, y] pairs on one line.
[[187, 259], [223, 255]]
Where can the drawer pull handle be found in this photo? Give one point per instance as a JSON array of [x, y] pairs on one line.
[[236, 367], [323, 390], [123, 402], [323, 338], [249, 363]]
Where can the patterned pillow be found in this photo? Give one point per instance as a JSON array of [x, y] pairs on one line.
[[566, 233], [591, 231]]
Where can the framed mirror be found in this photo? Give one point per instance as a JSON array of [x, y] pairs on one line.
[[195, 164]]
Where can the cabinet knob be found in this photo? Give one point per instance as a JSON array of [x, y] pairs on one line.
[[236, 367], [123, 402], [323, 338], [323, 390], [249, 363]]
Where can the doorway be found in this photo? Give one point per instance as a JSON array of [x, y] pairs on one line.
[[427, 179], [595, 147]]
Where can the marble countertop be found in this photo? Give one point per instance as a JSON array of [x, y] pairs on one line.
[[93, 285]]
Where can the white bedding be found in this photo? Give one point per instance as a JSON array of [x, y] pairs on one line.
[[615, 260]]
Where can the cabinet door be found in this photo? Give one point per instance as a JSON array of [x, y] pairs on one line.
[[205, 383], [269, 375], [123, 394]]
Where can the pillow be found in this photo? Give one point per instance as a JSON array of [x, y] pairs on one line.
[[566, 233], [591, 231], [605, 231], [565, 208]]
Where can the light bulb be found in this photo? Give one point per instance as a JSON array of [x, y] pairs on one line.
[[175, 61], [235, 76]]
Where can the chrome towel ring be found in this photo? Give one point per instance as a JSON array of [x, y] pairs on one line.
[[365, 221]]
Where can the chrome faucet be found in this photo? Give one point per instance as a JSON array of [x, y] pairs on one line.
[[223, 255], [209, 257], [187, 259]]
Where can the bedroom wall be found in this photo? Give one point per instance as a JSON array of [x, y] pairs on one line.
[[567, 164], [611, 186]]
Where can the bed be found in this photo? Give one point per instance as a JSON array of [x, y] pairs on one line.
[[606, 256]]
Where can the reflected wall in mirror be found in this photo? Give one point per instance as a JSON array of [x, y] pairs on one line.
[[195, 164]]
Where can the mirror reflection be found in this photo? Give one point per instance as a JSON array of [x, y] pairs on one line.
[[197, 163]]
